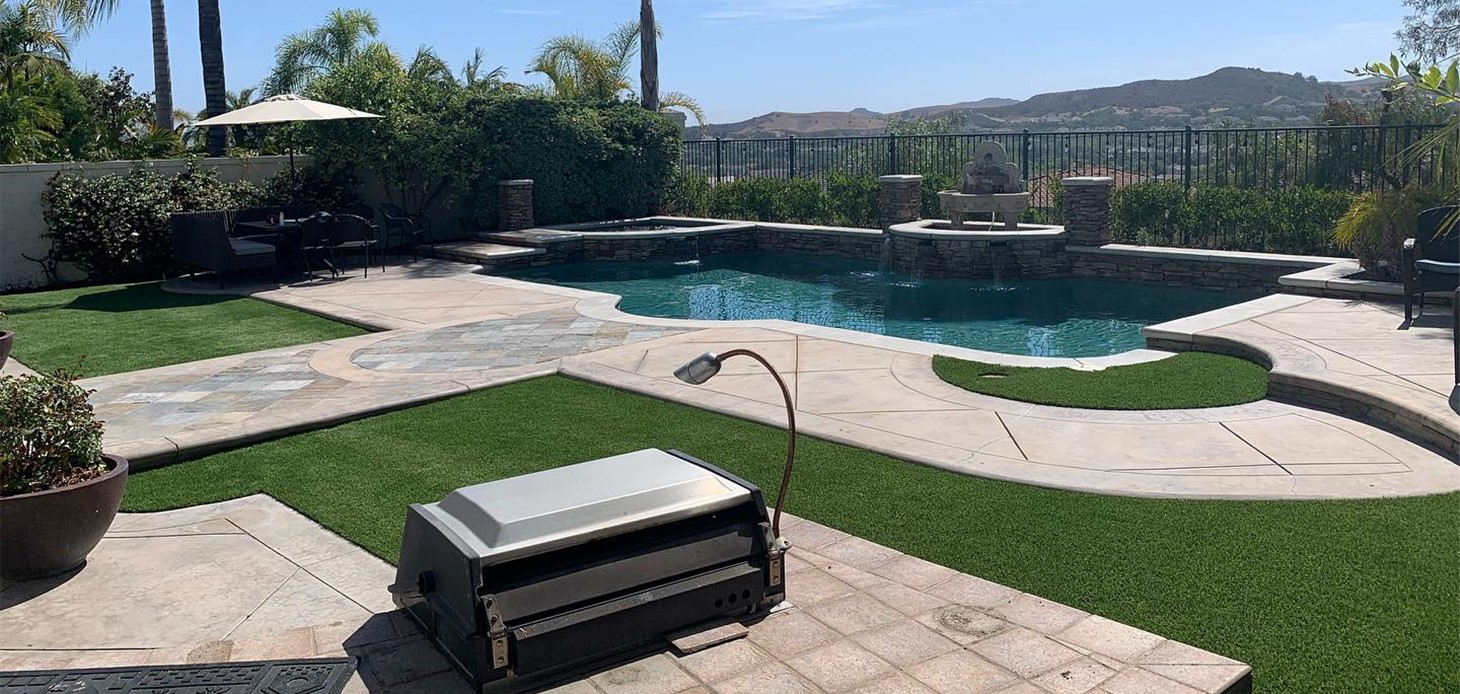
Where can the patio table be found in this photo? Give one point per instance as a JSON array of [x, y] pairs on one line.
[[286, 235]]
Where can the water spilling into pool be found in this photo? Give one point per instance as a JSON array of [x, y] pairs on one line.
[[1067, 317]]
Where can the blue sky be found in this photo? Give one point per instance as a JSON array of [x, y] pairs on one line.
[[741, 58]]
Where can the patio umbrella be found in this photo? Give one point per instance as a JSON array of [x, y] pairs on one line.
[[285, 108]]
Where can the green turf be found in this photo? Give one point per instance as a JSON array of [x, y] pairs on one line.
[[1354, 596], [94, 331], [1189, 379]]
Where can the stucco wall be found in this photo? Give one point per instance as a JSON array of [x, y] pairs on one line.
[[22, 222]]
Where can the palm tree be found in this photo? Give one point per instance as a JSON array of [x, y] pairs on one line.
[[579, 68], [427, 65], [161, 67], [215, 91], [648, 56], [80, 15], [342, 37], [29, 41]]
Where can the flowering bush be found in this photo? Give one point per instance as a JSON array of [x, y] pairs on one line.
[[49, 436], [115, 227]]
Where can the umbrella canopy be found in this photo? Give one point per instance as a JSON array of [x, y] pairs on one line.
[[284, 108]]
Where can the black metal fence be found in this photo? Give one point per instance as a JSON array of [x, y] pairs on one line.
[[1354, 158]]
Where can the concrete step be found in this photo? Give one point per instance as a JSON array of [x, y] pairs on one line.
[[484, 252], [536, 238]]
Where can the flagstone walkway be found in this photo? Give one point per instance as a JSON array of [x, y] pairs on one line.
[[449, 331], [252, 579]]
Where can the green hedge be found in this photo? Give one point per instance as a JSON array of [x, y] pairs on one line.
[[587, 162], [1292, 220], [115, 227], [842, 200]]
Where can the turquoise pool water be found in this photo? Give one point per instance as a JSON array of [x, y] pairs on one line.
[[1052, 317]]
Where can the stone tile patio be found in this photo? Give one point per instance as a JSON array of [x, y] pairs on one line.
[[251, 579], [870, 391]]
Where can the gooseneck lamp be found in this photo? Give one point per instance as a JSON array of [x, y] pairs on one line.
[[706, 366]]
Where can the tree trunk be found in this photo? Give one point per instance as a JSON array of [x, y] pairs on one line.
[[648, 56], [161, 68], [215, 93]]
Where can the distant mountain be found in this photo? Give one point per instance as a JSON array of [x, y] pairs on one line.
[[858, 121], [1231, 95]]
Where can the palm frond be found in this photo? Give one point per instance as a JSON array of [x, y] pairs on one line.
[[683, 102], [427, 65]]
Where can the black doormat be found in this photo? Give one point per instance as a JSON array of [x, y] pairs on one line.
[[317, 676]]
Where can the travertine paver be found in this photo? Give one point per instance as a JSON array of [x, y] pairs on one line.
[[869, 391], [252, 579]]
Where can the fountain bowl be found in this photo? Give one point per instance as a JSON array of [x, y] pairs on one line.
[[1009, 207]]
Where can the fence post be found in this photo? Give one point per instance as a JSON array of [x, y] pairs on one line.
[[1024, 155], [1405, 156], [791, 149], [1186, 159], [892, 154], [719, 145]]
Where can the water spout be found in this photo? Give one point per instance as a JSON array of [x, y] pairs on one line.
[[886, 258]]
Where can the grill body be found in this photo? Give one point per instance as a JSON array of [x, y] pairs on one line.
[[520, 579]]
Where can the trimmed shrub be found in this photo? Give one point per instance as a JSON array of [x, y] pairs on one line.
[[798, 201], [853, 201], [842, 200], [115, 227], [587, 162], [49, 436], [1291, 220]]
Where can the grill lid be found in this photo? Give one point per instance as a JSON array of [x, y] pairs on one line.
[[542, 511]]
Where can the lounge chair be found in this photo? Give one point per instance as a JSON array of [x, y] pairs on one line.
[[200, 240]]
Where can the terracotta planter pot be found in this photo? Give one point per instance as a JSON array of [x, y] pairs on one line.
[[6, 337], [51, 532]]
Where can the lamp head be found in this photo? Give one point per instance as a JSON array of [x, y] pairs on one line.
[[699, 369]]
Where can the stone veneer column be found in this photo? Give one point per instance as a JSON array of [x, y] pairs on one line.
[[514, 204], [901, 199], [1087, 209]]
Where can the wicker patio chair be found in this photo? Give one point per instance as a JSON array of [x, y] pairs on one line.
[[1431, 260]]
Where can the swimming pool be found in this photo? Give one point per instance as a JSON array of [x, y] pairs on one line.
[[1068, 317]]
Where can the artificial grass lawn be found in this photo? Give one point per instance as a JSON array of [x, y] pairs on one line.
[[1189, 379], [94, 331], [1353, 596]]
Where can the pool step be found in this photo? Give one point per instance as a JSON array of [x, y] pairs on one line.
[[484, 253], [535, 238]]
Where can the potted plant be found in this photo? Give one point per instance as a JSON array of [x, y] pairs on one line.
[[58, 492], [1377, 223]]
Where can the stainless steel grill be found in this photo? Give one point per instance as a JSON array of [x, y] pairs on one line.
[[521, 578]]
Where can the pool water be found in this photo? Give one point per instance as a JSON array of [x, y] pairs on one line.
[[1067, 317]]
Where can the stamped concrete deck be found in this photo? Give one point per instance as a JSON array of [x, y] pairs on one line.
[[252, 579], [449, 331], [1358, 357]]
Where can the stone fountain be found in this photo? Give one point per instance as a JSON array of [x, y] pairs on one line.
[[989, 185]]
